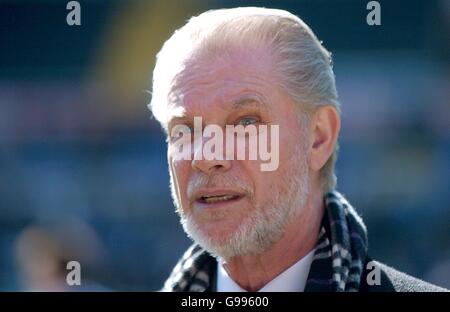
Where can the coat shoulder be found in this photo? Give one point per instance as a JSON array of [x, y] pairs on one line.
[[392, 280]]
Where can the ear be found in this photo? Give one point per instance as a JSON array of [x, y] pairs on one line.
[[325, 125]]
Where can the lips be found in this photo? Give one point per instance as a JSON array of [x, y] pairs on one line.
[[217, 199], [209, 196]]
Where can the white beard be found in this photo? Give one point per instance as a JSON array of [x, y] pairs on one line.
[[266, 224]]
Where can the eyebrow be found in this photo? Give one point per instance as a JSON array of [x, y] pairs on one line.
[[174, 121], [248, 101]]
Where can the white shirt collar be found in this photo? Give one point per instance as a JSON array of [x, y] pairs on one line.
[[293, 279]]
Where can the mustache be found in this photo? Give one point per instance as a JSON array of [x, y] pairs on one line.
[[217, 181]]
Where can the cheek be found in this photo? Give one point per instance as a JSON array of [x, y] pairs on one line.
[[180, 173], [257, 180], [291, 137]]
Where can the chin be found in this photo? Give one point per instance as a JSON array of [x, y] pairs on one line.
[[217, 233], [226, 241]]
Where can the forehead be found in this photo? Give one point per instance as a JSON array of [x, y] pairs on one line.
[[223, 80]]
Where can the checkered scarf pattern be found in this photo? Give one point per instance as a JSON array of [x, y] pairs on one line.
[[337, 266]]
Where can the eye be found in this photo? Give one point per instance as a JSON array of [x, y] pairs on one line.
[[246, 121], [179, 131]]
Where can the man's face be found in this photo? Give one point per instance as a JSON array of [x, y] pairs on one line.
[[231, 207]]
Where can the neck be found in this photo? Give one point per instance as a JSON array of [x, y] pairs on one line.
[[252, 272]]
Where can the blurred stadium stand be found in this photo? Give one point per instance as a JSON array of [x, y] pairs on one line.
[[76, 137]]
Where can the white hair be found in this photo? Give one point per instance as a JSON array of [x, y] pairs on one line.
[[303, 64]]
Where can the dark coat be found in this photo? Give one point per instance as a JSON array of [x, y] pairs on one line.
[[391, 280], [395, 281]]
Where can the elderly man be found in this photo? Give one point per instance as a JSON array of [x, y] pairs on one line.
[[285, 228]]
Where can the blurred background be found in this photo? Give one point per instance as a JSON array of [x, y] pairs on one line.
[[83, 172]]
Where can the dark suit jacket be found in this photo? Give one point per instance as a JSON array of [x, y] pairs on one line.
[[395, 281], [391, 280]]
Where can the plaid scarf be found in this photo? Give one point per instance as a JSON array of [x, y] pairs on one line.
[[338, 262]]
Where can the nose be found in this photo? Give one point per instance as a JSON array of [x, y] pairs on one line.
[[208, 165]]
